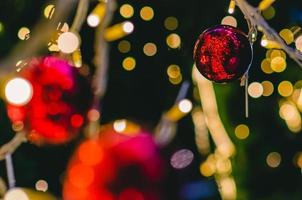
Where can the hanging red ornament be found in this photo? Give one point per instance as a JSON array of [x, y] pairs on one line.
[[223, 53], [60, 99], [122, 163]]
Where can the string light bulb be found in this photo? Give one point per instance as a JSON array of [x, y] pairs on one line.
[[179, 110], [232, 7], [118, 31], [265, 4], [97, 15]]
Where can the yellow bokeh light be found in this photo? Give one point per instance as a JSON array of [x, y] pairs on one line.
[[278, 64], [126, 11], [242, 131], [207, 169], [68, 42], [255, 90], [176, 81], [290, 113], [23, 33], [77, 58], [298, 159], [171, 23], [269, 44], [1, 27], [229, 20], [287, 35], [232, 7], [124, 46], [269, 13], [268, 53], [273, 159], [49, 11], [268, 88], [129, 63], [118, 31], [18, 91], [173, 71], [287, 111], [173, 41], [147, 13], [150, 49], [223, 166], [298, 84], [276, 53], [285, 88], [266, 66]]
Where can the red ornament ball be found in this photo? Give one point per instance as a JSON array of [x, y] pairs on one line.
[[61, 96], [122, 163], [223, 53]]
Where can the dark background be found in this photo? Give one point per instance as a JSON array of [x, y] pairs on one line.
[[144, 93]]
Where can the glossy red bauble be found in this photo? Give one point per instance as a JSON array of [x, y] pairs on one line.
[[123, 165], [223, 53], [61, 97]]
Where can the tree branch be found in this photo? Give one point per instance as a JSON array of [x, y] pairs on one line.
[[80, 16], [12, 145], [254, 16]]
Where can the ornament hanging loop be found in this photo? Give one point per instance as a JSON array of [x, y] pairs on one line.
[[252, 37]]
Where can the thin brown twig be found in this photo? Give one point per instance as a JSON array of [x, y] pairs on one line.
[[254, 16], [101, 58], [80, 16], [41, 34], [12, 145]]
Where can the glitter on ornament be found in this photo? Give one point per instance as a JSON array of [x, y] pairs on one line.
[[223, 53], [60, 99]]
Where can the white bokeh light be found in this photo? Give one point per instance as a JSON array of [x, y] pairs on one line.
[[68, 42], [16, 194], [128, 27], [18, 91], [93, 20], [120, 125], [185, 106]]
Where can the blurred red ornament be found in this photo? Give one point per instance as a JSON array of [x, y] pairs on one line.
[[223, 53], [123, 165], [61, 97]]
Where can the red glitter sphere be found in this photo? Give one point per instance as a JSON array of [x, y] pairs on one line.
[[61, 97], [123, 165], [223, 53]]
